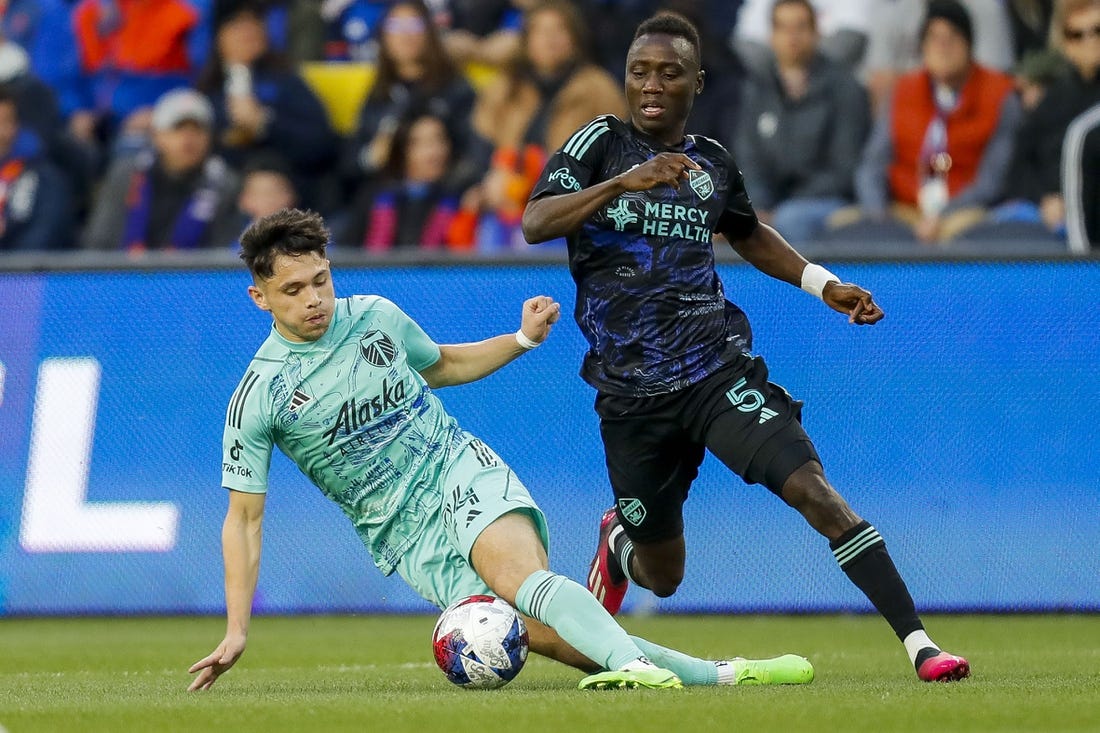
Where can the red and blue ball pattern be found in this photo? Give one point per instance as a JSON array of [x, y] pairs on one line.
[[480, 642]]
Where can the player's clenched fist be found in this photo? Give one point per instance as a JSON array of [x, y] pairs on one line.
[[664, 168], [539, 314]]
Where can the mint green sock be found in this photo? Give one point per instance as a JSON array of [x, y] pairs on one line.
[[690, 670], [578, 617]]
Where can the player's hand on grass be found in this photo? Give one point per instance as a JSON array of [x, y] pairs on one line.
[[666, 168], [210, 667], [539, 314], [853, 301]]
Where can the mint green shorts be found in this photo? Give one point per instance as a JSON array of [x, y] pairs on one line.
[[478, 488]]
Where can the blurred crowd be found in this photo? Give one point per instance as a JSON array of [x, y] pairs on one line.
[[135, 125]]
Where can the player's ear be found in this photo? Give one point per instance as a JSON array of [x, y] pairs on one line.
[[258, 298], [699, 79]]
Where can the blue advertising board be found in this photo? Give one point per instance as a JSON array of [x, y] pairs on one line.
[[964, 426]]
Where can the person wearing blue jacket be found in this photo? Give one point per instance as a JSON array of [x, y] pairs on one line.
[[261, 104], [35, 207]]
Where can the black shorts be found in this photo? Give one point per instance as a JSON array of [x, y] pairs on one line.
[[654, 445]]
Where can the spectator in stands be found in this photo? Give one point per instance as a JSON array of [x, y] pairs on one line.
[[803, 124], [37, 103], [177, 196], [549, 91], [894, 43], [287, 22], [486, 31], [414, 202], [261, 104], [351, 29], [35, 210], [843, 28], [131, 52], [38, 111], [1030, 21], [1034, 73], [1034, 182], [940, 150], [266, 187], [43, 28], [413, 71]]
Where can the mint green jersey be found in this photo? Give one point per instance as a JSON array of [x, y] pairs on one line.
[[352, 411]]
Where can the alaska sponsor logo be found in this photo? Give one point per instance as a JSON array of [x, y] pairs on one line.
[[632, 510], [567, 179], [354, 415], [377, 348]]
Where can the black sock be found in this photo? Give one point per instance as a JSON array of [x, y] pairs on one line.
[[861, 554]]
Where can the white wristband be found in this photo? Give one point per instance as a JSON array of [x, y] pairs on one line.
[[814, 278], [526, 343]]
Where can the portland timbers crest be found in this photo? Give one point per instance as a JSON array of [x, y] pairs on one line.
[[377, 348], [700, 182], [632, 510]]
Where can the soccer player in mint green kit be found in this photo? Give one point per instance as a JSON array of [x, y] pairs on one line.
[[344, 388]]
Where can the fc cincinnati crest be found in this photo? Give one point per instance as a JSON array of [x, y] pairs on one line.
[[377, 348], [701, 183], [633, 511]]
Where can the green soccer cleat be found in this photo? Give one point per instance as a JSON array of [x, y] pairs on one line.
[[789, 669], [629, 679]]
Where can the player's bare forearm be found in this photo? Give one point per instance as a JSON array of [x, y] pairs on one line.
[[242, 534], [766, 250], [242, 539], [550, 217], [465, 363]]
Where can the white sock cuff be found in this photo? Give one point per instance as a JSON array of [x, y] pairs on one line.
[[916, 641], [727, 675]]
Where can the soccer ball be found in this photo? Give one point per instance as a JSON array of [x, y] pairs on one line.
[[480, 642]]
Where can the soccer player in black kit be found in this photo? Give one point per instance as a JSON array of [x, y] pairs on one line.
[[669, 356]]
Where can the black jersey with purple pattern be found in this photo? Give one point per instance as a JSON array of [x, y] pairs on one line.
[[649, 301]]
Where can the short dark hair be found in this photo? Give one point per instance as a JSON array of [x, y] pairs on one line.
[[804, 3], [672, 24], [290, 232]]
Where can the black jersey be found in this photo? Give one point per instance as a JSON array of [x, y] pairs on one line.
[[648, 298]]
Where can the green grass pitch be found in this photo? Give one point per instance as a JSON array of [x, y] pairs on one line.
[[366, 673]]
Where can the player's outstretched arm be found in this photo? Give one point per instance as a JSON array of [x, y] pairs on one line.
[[550, 217], [463, 363], [242, 535], [766, 250]]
